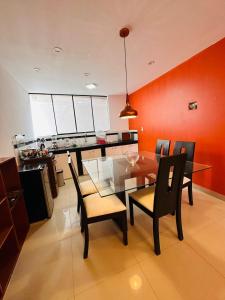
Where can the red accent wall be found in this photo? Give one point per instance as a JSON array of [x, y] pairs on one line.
[[163, 111]]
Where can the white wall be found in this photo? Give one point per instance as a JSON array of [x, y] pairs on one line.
[[116, 104], [15, 114]]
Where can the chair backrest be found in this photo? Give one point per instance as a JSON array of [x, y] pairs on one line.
[[168, 190], [77, 185], [74, 175], [162, 147], [185, 147]]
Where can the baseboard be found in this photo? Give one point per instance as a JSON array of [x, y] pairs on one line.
[[209, 192]]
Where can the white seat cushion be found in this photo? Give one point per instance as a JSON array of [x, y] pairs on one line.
[[145, 197], [186, 180], [87, 187], [99, 206]]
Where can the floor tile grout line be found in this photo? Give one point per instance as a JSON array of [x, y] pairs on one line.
[[73, 277], [205, 259], [148, 281], [108, 278]]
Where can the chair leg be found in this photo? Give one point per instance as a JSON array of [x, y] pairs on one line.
[[179, 224], [81, 225], [124, 228], [156, 236], [131, 212], [190, 194], [78, 205], [86, 241]]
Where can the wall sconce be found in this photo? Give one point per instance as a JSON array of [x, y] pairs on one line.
[[192, 105]]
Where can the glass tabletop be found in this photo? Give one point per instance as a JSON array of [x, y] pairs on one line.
[[116, 174]]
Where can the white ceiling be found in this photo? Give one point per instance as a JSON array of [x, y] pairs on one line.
[[167, 31]]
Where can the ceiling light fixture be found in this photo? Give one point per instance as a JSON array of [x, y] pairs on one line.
[[36, 69], [57, 49], [91, 86], [128, 112]]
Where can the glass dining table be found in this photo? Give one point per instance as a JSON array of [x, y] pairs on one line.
[[121, 173]]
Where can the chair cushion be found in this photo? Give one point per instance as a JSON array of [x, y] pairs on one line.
[[87, 187], [186, 180], [145, 197], [99, 206]]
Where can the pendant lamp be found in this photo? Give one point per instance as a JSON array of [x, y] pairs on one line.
[[128, 112]]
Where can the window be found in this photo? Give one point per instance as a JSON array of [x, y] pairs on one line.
[[83, 109], [42, 115], [63, 114], [100, 113]]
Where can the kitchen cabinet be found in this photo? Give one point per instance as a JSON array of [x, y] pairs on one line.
[[119, 150], [50, 161], [61, 160], [89, 154]]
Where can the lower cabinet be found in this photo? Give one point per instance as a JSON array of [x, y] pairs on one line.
[[61, 159], [119, 150], [89, 154]]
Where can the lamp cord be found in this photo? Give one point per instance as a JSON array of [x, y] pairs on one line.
[[125, 64]]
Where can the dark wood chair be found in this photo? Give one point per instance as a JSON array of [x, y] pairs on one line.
[[95, 208], [86, 185], [163, 198], [162, 147], [189, 149]]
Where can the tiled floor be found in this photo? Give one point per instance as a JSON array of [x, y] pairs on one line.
[[51, 265]]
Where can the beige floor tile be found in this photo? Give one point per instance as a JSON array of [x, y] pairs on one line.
[[41, 234], [130, 284], [181, 274], [107, 256], [141, 240], [44, 275], [210, 244], [51, 264], [31, 259]]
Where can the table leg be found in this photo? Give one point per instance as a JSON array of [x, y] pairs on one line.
[[103, 153], [79, 163]]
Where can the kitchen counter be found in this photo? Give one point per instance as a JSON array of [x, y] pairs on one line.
[[87, 146], [30, 168]]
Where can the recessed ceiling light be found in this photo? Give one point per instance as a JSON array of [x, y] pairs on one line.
[[151, 62], [91, 86], [86, 74], [36, 69], [57, 49]]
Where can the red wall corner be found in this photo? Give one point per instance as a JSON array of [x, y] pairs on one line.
[[163, 111]]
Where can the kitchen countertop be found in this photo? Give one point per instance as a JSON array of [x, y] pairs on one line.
[[29, 168], [84, 147]]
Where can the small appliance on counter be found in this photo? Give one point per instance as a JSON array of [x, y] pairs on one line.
[[128, 136], [125, 136], [101, 137], [37, 193]]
